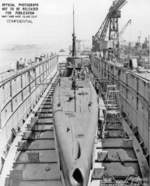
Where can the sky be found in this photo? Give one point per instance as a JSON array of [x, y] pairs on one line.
[[53, 26]]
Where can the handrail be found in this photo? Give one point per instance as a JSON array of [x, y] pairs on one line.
[[13, 76], [128, 87], [11, 98]]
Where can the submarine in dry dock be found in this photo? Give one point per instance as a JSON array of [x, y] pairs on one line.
[[75, 138], [75, 113], [56, 146]]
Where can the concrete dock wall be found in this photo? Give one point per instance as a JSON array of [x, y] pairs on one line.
[[18, 96], [134, 93]]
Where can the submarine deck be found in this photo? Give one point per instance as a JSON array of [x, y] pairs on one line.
[[76, 111], [76, 115]]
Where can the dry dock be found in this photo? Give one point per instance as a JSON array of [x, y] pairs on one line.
[[38, 160], [134, 87], [20, 94]]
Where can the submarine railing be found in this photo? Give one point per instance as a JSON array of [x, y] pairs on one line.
[[18, 96]]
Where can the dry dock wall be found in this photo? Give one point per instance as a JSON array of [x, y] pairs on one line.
[[18, 96], [134, 93]]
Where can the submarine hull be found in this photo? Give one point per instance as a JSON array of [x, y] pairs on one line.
[[75, 129]]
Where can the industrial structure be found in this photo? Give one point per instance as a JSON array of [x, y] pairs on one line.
[[82, 122], [132, 81]]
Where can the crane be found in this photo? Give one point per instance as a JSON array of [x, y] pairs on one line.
[[110, 26], [124, 27]]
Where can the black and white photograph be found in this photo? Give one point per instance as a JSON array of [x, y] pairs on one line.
[[75, 93]]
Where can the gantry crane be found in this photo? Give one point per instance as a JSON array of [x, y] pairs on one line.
[[110, 26]]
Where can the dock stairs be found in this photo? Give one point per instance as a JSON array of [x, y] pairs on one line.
[[109, 149], [38, 159]]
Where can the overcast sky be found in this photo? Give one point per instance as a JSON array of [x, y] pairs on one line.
[[54, 23]]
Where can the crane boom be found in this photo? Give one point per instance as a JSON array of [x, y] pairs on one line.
[[124, 28], [110, 23]]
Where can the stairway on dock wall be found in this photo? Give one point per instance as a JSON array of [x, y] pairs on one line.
[[20, 93], [38, 160]]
